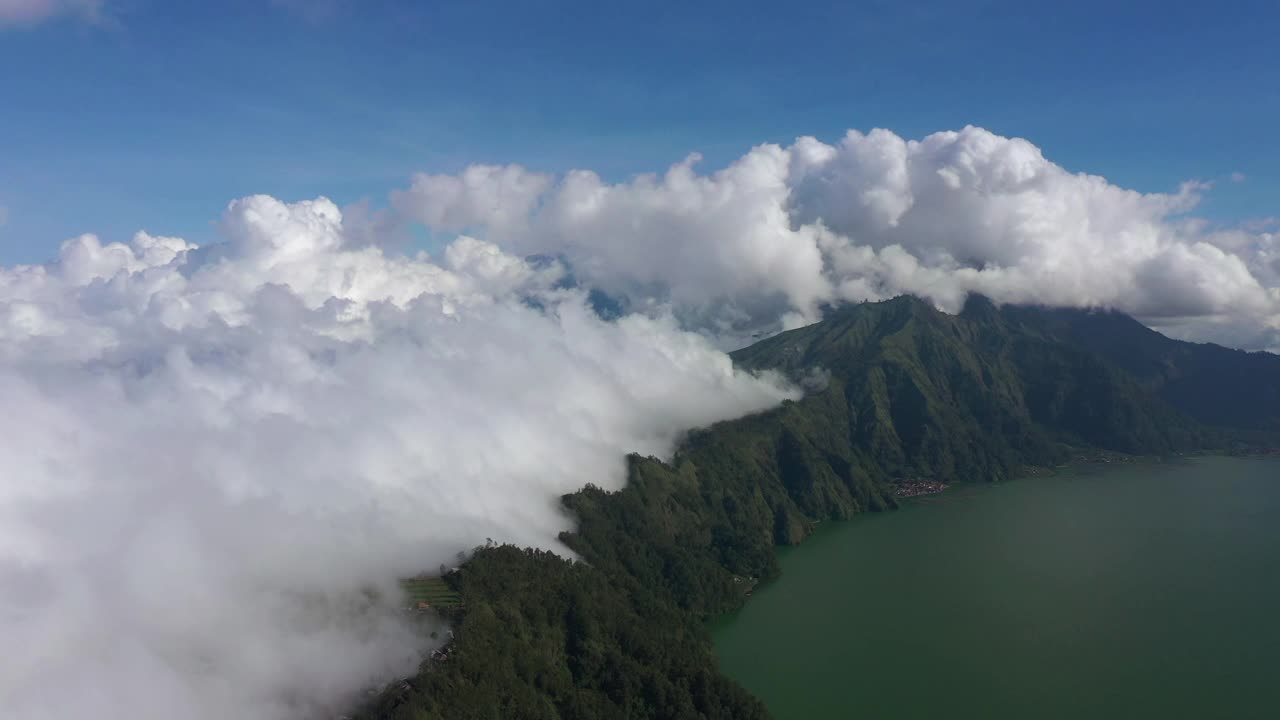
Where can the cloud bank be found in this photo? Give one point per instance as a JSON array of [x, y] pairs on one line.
[[209, 453], [780, 232]]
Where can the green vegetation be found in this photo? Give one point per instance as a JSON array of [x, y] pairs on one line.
[[431, 590], [897, 391], [1217, 385]]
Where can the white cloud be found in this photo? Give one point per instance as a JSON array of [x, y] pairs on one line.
[[32, 12], [781, 231], [715, 246], [482, 196], [209, 451]]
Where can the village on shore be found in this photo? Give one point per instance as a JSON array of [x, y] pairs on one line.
[[916, 488]]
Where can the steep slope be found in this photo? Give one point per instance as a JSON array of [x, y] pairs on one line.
[[1211, 383], [1006, 387], [897, 391]]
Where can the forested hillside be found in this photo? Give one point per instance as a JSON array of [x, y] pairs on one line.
[[1214, 384], [896, 392]]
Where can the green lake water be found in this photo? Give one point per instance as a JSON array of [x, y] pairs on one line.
[[1117, 591]]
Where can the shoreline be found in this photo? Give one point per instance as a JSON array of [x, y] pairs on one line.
[[1082, 461], [919, 488]]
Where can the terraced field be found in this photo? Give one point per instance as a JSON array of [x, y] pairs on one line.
[[430, 590]]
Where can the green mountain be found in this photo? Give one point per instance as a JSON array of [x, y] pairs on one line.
[[897, 393], [1214, 384]]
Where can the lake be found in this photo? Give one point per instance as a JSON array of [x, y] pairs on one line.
[[1105, 591]]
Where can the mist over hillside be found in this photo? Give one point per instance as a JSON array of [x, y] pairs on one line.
[[212, 453]]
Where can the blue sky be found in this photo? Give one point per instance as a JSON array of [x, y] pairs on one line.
[[153, 114]]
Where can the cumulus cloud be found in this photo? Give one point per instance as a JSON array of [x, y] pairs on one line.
[[782, 231], [210, 454], [32, 12]]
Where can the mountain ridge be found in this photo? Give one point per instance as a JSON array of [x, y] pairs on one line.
[[1242, 394]]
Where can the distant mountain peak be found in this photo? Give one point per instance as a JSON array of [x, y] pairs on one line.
[[1105, 350], [978, 305]]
